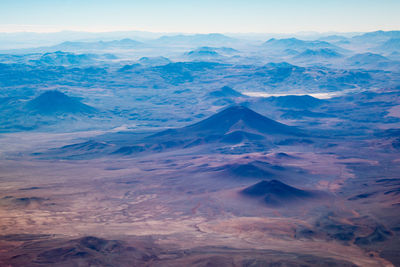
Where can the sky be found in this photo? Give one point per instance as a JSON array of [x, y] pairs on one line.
[[201, 16]]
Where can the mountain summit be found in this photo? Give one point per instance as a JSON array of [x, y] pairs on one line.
[[240, 118]]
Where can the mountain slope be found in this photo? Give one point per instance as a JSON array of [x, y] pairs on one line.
[[77, 46], [236, 118]]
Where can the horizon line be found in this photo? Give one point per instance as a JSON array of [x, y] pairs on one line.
[[192, 33]]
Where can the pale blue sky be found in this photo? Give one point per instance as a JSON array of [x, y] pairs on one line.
[[279, 16]]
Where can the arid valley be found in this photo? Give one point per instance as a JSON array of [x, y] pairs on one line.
[[201, 150]]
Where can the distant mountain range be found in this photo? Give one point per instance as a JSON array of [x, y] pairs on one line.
[[318, 54], [83, 46], [293, 43], [195, 39], [124, 43], [334, 39], [376, 36], [60, 58], [390, 46]]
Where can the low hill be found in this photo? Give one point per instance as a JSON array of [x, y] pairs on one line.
[[56, 102], [201, 53], [225, 91], [276, 193], [154, 61], [211, 52]]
